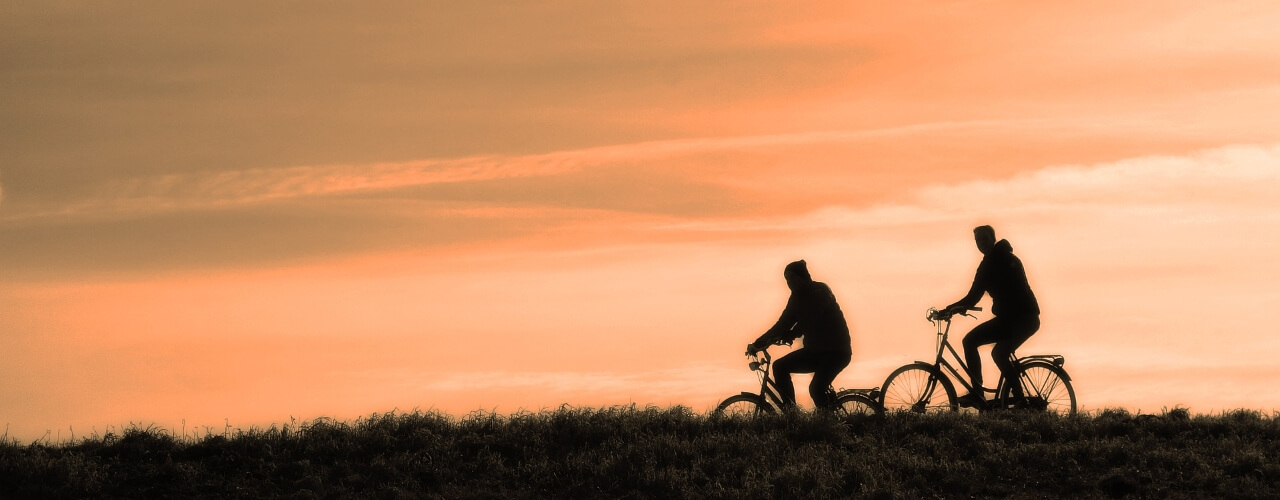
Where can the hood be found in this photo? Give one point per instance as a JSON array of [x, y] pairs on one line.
[[1003, 246]]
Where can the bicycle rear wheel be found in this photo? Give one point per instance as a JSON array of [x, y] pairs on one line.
[[857, 404], [1045, 387], [918, 388], [743, 405]]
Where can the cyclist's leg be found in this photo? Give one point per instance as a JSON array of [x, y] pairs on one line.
[[799, 361], [987, 332], [824, 374], [1017, 331]]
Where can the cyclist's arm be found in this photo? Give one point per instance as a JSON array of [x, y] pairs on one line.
[[975, 292], [783, 328], [775, 334]]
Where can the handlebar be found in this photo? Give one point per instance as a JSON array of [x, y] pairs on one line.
[[751, 348], [946, 314], [760, 358]]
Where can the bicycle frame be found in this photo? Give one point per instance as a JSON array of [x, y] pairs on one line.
[[944, 346], [768, 388]]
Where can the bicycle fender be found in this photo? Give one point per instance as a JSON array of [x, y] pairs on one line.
[[937, 372], [1047, 364]]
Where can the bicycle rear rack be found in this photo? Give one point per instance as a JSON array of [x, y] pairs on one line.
[[873, 392], [1055, 359]]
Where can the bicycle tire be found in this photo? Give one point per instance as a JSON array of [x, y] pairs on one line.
[[915, 388], [850, 404], [743, 405], [1045, 386]]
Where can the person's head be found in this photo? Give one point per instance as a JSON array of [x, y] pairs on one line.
[[985, 237], [796, 274]]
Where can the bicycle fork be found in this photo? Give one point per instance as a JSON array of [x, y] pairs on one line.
[[926, 395]]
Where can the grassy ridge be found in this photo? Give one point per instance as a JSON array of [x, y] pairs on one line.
[[651, 453]]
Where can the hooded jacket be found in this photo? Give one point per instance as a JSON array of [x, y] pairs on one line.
[[1001, 275], [812, 312]]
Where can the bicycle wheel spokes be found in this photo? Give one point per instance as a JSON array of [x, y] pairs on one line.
[[1044, 388], [742, 405], [916, 389]]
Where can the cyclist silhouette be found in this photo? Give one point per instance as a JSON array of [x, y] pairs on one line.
[[1017, 314], [812, 313]]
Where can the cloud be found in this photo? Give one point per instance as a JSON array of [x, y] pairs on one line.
[[95, 92], [272, 215], [680, 160], [1239, 179], [1235, 175], [243, 237]]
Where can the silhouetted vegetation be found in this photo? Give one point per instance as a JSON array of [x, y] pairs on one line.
[[656, 453]]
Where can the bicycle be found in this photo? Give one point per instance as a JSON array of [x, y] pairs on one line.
[[923, 387], [847, 401]]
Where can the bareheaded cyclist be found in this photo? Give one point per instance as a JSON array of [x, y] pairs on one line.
[[1017, 314], [811, 313]]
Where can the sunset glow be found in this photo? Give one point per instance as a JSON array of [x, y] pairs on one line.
[[237, 214]]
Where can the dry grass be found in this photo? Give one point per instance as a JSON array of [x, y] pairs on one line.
[[659, 453]]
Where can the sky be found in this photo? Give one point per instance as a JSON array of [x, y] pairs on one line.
[[243, 213]]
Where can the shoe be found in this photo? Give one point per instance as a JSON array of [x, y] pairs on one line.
[[972, 400]]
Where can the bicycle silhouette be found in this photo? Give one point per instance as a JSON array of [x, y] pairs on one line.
[[922, 387], [847, 401]]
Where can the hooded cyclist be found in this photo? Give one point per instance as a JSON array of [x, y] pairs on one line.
[[1017, 314], [812, 313]]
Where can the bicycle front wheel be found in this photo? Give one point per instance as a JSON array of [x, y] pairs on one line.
[[918, 388], [857, 404], [743, 405], [1045, 387]]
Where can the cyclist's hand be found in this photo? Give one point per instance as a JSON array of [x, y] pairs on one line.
[[751, 349], [957, 309]]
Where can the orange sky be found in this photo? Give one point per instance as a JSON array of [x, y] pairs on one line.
[[238, 213]]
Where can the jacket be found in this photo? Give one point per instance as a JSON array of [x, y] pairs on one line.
[[812, 313], [1001, 275]]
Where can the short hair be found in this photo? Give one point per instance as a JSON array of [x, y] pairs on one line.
[[797, 268], [988, 230]]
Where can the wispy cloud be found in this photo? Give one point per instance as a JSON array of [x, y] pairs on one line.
[[1235, 175], [203, 189], [1238, 178]]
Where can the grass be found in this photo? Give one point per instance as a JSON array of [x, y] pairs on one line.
[[630, 452]]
